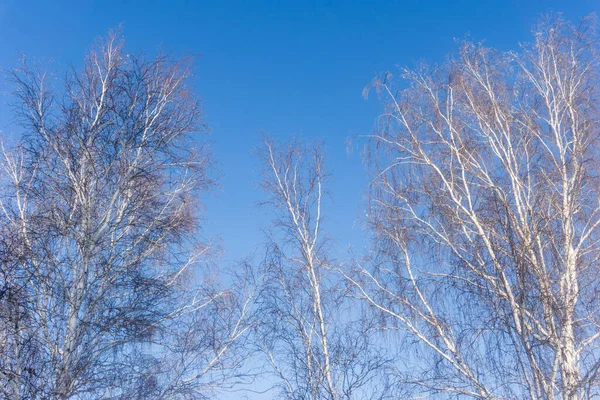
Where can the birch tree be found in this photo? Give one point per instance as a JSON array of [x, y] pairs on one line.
[[100, 218], [485, 213], [314, 341]]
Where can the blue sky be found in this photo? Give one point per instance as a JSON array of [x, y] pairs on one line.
[[278, 67]]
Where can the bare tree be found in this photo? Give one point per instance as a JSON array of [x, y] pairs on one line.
[[99, 223], [316, 344], [485, 212]]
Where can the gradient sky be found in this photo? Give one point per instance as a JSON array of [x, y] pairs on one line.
[[278, 67]]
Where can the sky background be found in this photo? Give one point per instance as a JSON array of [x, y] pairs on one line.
[[285, 68]]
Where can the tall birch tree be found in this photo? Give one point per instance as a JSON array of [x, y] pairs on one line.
[[486, 215], [100, 219]]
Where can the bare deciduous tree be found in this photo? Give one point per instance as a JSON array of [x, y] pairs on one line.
[[99, 224], [313, 339], [485, 210]]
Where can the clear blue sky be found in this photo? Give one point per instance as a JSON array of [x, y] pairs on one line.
[[280, 67]]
